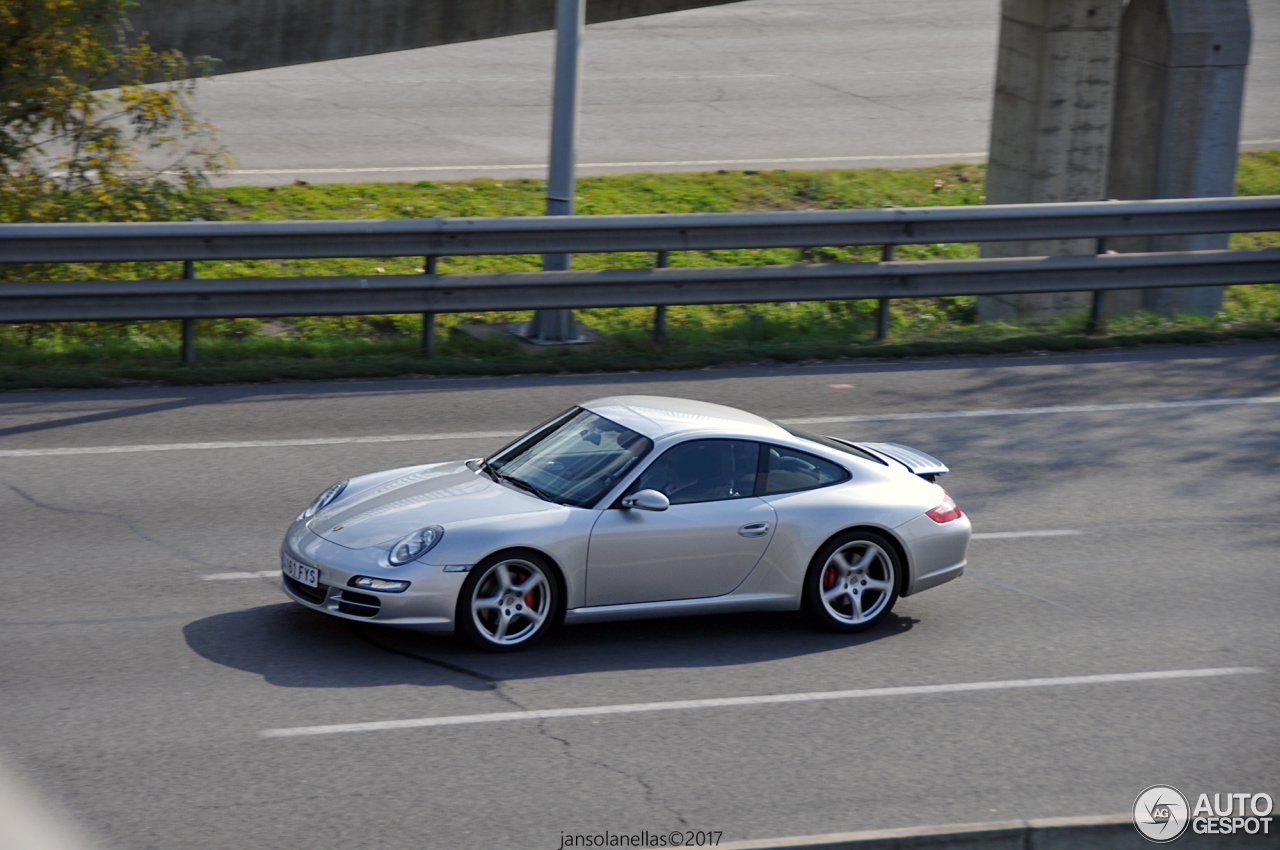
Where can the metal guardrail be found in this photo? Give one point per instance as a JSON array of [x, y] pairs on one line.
[[584, 234], [190, 299], [73, 301]]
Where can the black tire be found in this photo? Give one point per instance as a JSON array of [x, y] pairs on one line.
[[852, 582], [523, 596]]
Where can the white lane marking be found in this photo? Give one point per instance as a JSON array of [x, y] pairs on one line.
[[274, 573], [528, 165], [766, 699], [709, 163], [1003, 535], [258, 444], [233, 576], [478, 435], [1039, 411], [224, 83], [795, 160]]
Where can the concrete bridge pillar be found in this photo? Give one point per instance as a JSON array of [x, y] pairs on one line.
[[1179, 95], [1050, 126]]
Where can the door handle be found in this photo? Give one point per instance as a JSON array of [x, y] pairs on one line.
[[754, 529]]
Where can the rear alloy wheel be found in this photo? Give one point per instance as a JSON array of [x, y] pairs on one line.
[[852, 583], [508, 602]]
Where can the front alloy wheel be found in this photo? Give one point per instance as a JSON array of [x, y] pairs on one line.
[[507, 603], [853, 582]]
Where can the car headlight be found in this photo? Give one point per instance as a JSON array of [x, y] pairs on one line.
[[414, 546], [380, 584], [323, 500]]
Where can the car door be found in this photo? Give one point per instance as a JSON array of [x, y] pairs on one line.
[[704, 544]]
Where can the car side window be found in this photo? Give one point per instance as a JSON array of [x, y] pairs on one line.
[[703, 471], [788, 470]]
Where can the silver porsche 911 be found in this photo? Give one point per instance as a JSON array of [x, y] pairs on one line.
[[630, 507]]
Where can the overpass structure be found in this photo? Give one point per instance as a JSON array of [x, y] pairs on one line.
[[1107, 99], [245, 35], [1093, 98]]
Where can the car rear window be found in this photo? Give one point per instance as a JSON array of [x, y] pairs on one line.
[[838, 445]]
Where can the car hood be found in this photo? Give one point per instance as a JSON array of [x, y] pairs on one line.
[[429, 495]]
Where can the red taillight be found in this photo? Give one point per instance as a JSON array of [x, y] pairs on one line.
[[946, 512]]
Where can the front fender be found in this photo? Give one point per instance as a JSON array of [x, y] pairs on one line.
[[562, 535]]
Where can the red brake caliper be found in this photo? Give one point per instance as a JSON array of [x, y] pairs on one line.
[[829, 579], [528, 597]]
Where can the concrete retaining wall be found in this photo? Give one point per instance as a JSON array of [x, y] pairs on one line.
[[248, 34]]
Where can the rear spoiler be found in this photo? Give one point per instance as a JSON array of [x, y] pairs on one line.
[[916, 461]]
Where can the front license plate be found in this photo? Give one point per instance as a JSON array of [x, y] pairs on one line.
[[300, 573]]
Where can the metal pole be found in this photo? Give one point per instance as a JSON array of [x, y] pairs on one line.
[[1097, 324], [882, 309], [429, 319], [570, 19], [660, 312], [188, 325], [559, 325]]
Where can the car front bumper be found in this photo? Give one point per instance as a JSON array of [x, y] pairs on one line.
[[427, 605]]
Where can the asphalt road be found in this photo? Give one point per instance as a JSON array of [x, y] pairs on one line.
[[757, 84], [134, 691]]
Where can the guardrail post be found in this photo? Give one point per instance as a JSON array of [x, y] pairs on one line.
[[188, 325], [882, 309], [429, 319], [1096, 322], [660, 312]]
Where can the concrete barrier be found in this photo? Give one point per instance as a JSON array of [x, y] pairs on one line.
[[1096, 832], [248, 34]]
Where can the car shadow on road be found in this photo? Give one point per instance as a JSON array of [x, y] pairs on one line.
[[296, 648]]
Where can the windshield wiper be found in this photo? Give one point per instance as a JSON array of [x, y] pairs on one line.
[[537, 491], [507, 479]]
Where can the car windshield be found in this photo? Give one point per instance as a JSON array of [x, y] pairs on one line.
[[573, 459]]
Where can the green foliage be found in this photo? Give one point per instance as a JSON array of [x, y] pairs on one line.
[[1258, 173], [70, 151]]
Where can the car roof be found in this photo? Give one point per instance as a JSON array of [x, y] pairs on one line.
[[659, 416]]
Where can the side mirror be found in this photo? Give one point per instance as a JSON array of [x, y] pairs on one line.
[[647, 500]]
